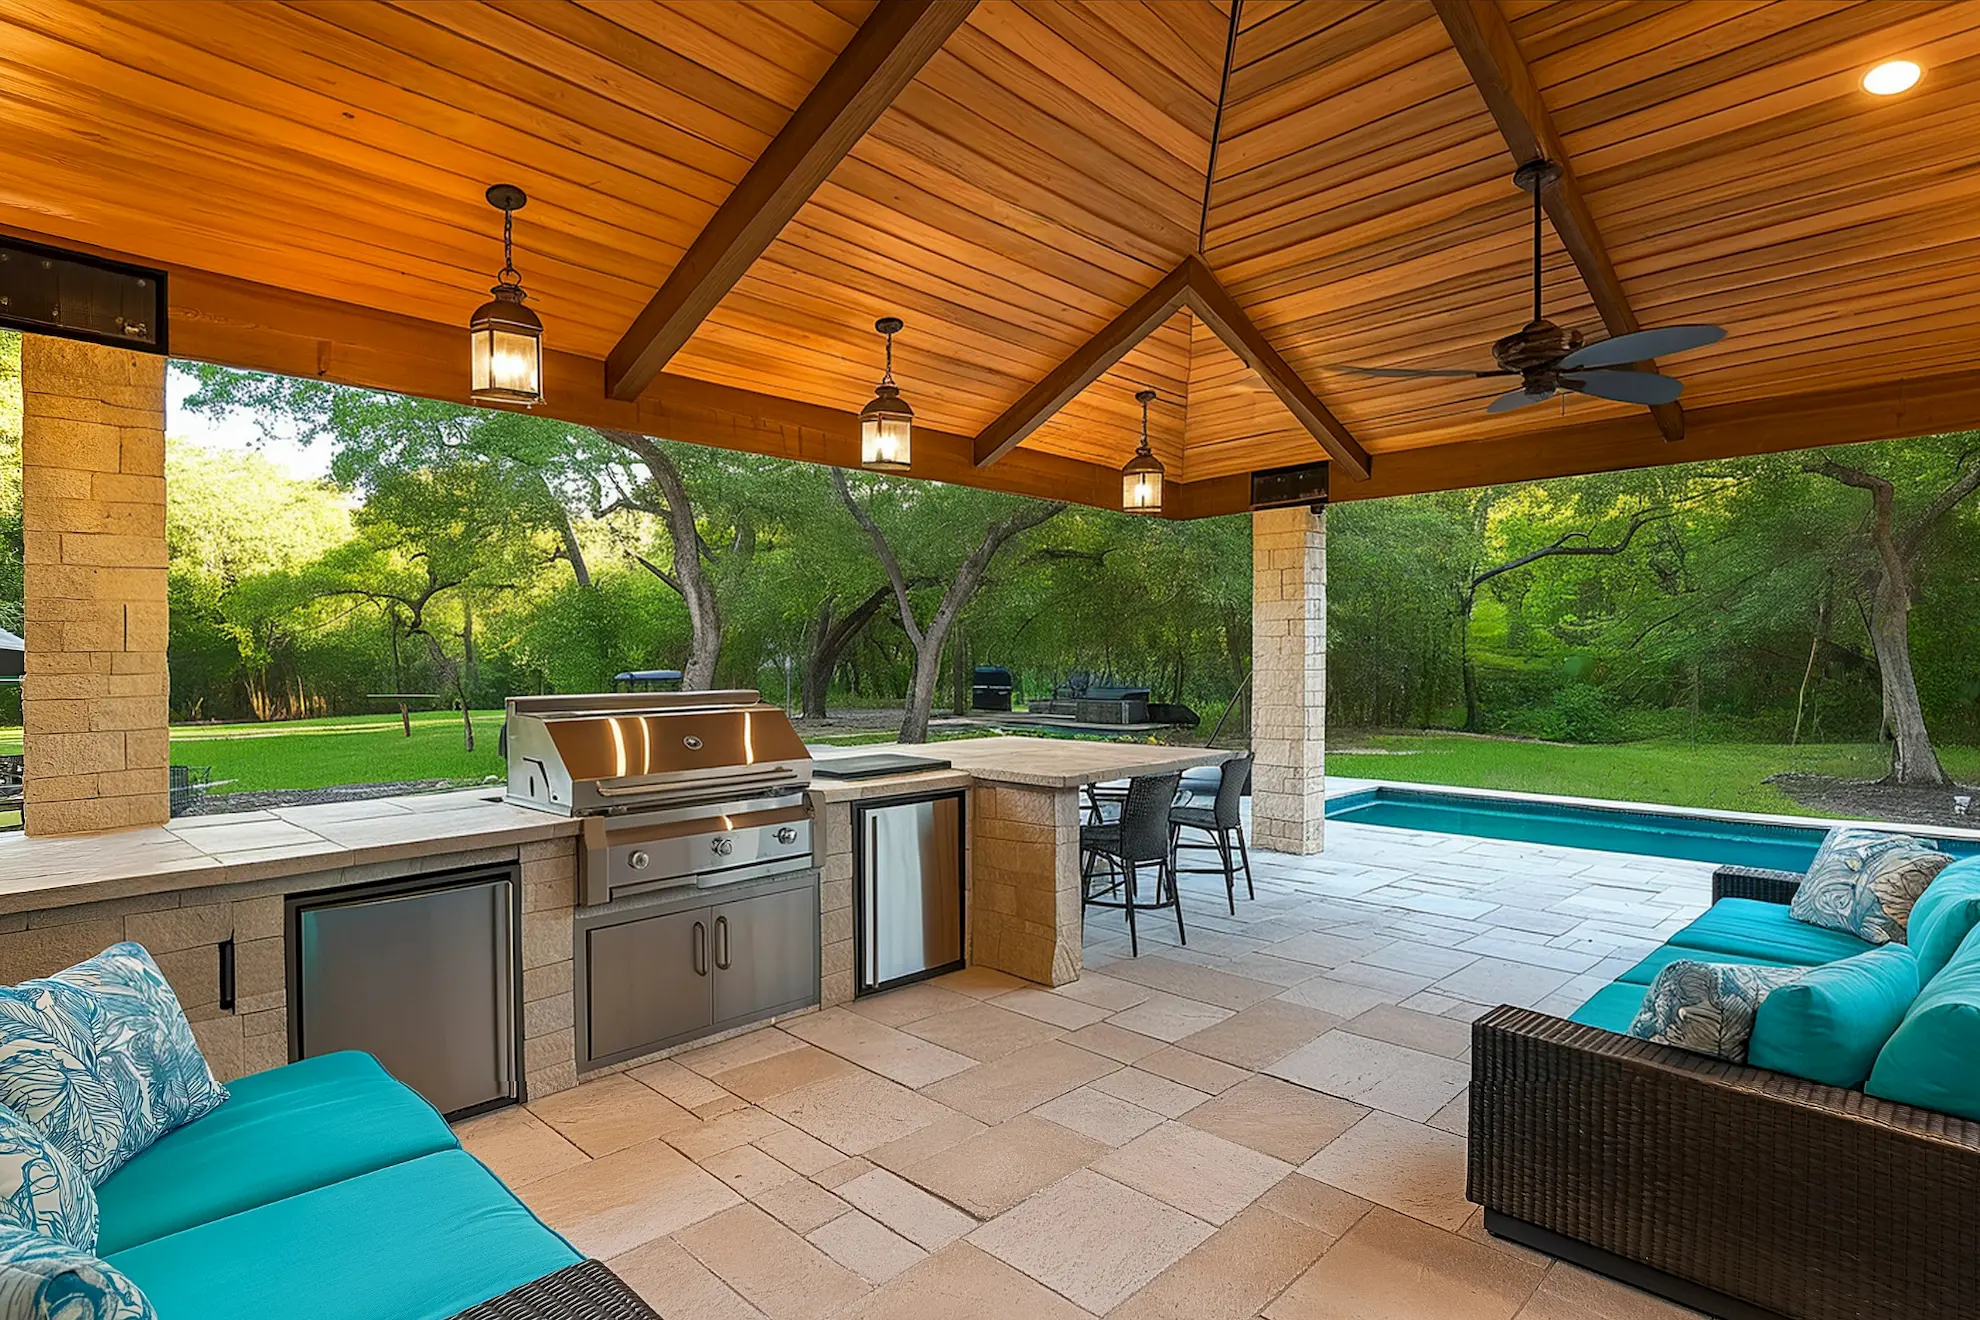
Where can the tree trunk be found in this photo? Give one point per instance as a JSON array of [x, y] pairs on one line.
[[1808, 674], [1913, 762], [959, 675], [921, 693], [830, 636], [690, 576]]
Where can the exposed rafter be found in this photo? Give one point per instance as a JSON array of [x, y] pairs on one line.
[[882, 58], [1195, 286], [1485, 42]]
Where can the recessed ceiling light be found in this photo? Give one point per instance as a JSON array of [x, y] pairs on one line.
[[1892, 77]]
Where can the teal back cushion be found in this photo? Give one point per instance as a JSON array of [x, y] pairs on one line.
[[1944, 913], [1830, 1025], [1933, 1059]]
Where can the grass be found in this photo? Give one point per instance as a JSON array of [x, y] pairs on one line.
[[1722, 776]]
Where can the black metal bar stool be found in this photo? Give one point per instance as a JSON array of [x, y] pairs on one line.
[[1139, 838], [1224, 823]]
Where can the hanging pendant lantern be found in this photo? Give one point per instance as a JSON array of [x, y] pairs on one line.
[[505, 338], [1141, 479], [886, 425]]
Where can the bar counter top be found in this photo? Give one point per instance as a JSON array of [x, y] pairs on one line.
[[192, 852]]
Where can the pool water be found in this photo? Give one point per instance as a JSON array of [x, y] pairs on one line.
[[1610, 829]]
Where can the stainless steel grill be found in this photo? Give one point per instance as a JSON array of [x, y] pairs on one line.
[[674, 788]]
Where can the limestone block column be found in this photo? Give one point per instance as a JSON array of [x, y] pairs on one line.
[[1288, 679], [1024, 903], [93, 512]]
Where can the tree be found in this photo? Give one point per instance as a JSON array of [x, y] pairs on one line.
[[944, 509], [1899, 545]]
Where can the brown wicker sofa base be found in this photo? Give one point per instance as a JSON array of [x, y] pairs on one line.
[[1743, 1193], [585, 1291]]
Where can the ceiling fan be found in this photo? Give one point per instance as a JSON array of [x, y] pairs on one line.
[[1549, 358]]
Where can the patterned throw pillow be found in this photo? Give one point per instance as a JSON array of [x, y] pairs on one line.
[[41, 1189], [1865, 881], [1708, 1008], [42, 1279], [101, 1059]]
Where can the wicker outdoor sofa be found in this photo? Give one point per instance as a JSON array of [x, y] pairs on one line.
[[1744, 1193]]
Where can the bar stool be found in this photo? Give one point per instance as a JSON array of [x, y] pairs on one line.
[[1140, 837], [1224, 823]]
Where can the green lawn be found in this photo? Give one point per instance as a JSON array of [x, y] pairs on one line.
[[1725, 776]]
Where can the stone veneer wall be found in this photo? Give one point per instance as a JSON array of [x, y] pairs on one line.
[[833, 843], [1024, 908], [1289, 679], [184, 928], [93, 514]]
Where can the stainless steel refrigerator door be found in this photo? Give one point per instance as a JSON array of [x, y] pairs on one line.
[[911, 883], [425, 981]]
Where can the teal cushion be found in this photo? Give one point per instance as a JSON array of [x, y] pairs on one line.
[[1933, 1059], [283, 1131], [1747, 927], [100, 1057], [1830, 1025], [1611, 1008], [41, 1189], [423, 1240], [1944, 913], [42, 1279], [1646, 971]]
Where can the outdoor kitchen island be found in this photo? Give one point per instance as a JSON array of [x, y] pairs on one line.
[[207, 894]]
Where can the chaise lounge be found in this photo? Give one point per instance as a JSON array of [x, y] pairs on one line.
[[1746, 1193]]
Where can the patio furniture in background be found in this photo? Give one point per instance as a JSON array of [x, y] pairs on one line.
[[647, 680], [1740, 1191], [1139, 838], [1223, 821]]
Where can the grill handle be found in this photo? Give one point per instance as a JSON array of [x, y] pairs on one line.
[[700, 949], [722, 944]]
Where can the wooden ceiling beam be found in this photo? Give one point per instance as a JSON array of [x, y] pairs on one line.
[[883, 57], [1210, 301], [1195, 286], [1485, 43], [1088, 363]]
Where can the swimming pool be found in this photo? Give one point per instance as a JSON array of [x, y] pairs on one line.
[[1610, 829]]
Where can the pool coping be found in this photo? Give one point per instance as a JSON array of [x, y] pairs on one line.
[[1358, 784]]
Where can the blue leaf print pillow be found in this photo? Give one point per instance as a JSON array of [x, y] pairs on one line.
[[41, 1189], [102, 1060], [1865, 882], [1708, 1008], [42, 1279]]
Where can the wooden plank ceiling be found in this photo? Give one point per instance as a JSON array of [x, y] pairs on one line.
[[313, 171]]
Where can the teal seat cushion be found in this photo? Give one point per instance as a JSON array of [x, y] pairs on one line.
[[1944, 914], [423, 1240], [1611, 1008], [1759, 930], [1646, 971], [281, 1132], [1933, 1059], [1830, 1025]]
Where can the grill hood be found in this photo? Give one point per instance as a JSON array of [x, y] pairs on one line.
[[632, 751]]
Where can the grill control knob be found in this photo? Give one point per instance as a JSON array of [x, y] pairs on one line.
[[638, 861], [786, 835], [723, 847]]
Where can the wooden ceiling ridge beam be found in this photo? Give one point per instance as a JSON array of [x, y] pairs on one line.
[[883, 57], [1485, 42], [1193, 285]]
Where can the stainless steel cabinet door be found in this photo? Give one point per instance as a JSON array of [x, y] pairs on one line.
[[766, 953], [648, 980]]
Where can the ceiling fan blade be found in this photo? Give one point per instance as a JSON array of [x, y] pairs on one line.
[[1518, 398], [1627, 386], [1643, 346], [1413, 373]]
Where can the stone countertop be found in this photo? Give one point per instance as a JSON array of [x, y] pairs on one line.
[[1062, 763], [197, 851]]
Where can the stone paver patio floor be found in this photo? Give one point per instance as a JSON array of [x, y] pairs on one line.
[[1267, 1122]]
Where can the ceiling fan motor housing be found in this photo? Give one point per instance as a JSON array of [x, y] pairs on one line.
[[1538, 344]]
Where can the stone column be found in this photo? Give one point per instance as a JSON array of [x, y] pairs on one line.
[[93, 515], [1024, 901], [1288, 678]]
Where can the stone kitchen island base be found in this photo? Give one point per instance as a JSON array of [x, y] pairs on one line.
[[189, 888]]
